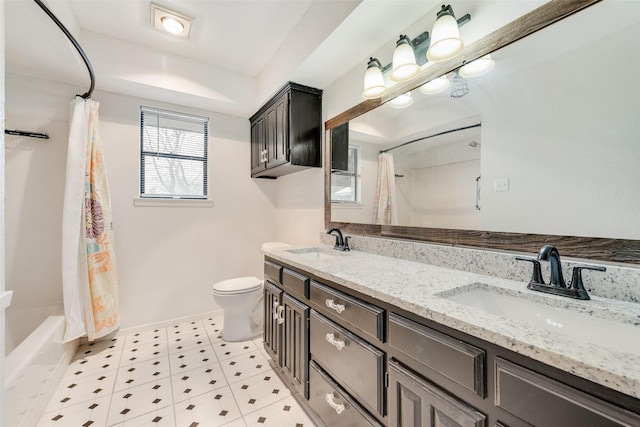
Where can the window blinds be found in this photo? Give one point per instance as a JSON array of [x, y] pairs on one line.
[[173, 154]]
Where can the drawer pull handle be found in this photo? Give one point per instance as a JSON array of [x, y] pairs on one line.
[[339, 408], [276, 307], [337, 307], [331, 339], [280, 315]]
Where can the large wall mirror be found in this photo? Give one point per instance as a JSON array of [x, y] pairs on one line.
[[543, 148]]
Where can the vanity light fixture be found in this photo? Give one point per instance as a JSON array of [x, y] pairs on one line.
[[478, 67], [169, 21], [434, 86], [410, 54], [445, 36], [374, 86], [404, 61], [401, 101]]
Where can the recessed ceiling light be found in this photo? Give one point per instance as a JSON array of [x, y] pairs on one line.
[[169, 21]]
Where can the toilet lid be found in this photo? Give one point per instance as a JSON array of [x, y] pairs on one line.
[[238, 285]]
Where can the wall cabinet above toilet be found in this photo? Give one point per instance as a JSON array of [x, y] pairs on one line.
[[286, 133]]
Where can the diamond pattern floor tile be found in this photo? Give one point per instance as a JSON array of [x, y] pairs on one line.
[[197, 381], [244, 366], [73, 389], [136, 401], [163, 417], [210, 409], [183, 342], [227, 350], [183, 375], [284, 413], [142, 372], [89, 413], [192, 359], [259, 391]]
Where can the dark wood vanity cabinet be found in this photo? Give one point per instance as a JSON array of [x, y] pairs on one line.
[[286, 133], [360, 361], [416, 402], [286, 331]]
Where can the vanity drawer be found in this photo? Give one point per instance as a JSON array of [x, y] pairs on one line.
[[295, 283], [273, 271], [352, 362], [333, 404], [455, 359], [542, 401], [344, 308]]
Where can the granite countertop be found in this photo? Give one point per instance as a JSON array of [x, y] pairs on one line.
[[422, 289]]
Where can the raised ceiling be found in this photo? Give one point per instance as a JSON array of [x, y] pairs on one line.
[[238, 54]]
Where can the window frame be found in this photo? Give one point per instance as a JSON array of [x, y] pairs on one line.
[[146, 199]]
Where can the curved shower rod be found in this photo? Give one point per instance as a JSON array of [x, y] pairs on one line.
[[75, 44]]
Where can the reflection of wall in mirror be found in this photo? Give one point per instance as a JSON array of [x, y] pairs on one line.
[[565, 132]]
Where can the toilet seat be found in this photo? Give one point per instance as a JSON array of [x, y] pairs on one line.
[[239, 285]]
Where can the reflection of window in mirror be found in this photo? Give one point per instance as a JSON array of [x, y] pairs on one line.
[[345, 185]]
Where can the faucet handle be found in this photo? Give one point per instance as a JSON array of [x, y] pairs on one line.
[[576, 278], [536, 277], [346, 244]]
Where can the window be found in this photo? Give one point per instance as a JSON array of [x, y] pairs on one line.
[[173, 155], [345, 185]]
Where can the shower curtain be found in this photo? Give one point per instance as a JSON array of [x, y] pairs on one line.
[[89, 279], [385, 208]]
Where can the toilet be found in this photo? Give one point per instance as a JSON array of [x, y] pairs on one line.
[[241, 300]]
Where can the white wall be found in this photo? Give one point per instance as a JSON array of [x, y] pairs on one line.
[[2, 208], [167, 257]]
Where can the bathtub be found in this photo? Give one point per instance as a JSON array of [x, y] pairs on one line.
[[33, 370]]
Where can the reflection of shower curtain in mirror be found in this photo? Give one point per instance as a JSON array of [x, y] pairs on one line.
[[385, 210], [88, 261]]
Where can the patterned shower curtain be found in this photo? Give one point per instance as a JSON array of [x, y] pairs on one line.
[[88, 261], [385, 208]]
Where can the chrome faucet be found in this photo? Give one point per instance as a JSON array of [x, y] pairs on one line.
[[342, 244], [557, 285]]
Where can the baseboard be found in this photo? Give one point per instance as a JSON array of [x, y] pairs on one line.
[[171, 322]]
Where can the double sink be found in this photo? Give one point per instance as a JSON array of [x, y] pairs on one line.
[[590, 322]]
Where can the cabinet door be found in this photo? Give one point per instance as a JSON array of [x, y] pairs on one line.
[[295, 344], [278, 132], [258, 146], [273, 321], [414, 402]]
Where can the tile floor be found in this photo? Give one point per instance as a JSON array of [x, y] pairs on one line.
[[179, 376]]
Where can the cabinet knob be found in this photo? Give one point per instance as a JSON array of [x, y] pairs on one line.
[[338, 407], [331, 339], [337, 307]]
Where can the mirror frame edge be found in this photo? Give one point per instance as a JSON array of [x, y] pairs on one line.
[[595, 248]]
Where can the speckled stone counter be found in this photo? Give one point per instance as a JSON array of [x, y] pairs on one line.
[[422, 289]]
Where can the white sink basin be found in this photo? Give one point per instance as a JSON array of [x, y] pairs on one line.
[[314, 253], [611, 334]]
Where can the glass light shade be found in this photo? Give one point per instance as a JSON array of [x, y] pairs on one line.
[[445, 39], [435, 86], [401, 101], [374, 86], [478, 67], [172, 25], [404, 61]]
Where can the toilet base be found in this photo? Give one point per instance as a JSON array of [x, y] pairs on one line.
[[239, 327]]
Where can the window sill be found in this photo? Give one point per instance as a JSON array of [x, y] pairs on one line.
[[346, 205], [148, 202]]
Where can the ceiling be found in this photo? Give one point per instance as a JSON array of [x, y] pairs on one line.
[[239, 53]]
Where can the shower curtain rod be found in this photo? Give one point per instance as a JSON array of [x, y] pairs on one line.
[[432, 136], [75, 44]]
